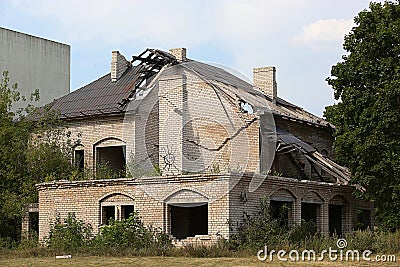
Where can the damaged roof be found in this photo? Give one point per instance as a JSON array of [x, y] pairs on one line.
[[99, 97], [288, 142], [104, 97]]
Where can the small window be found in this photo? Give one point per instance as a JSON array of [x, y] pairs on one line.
[[79, 159], [126, 210], [108, 213]]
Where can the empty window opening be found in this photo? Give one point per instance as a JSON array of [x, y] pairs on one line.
[[108, 213], [126, 210], [280, 210], [113, 157], [309, 212], [335, 219], [189, 221], [79, 159], [363, 219]]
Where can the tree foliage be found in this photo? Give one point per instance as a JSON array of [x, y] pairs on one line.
[[367, 117], [33, 146]]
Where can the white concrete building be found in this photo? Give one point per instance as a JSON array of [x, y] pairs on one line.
[[35, 63]]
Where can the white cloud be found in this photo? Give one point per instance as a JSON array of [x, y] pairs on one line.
[[324, 32]]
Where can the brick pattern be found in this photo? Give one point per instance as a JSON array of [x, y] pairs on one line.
[[118, 65], [179, 53], [265, 80], [300, 191], [97, 132], [225, 212]]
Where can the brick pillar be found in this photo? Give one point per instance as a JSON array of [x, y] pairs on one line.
[[171, 94], [297, 211], [324, 219], [348, 213]]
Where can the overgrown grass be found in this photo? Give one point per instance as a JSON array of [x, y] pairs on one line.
[[378, 243], [130, 237]]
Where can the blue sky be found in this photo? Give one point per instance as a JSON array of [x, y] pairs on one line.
[[302, 38]]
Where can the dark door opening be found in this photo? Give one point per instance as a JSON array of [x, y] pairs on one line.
[[33, 222], [108, 213], [335, 219], [126, 210], [280, 211], [189, 221], [113, 157], [309, 212]]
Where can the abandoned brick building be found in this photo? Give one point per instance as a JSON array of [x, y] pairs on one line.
[[203, 147]]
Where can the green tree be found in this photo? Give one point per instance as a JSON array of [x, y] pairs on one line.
[[367, 117], [33, 146]]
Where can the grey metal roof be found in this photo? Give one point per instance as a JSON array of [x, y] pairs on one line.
[[98, 97], [103, 96]]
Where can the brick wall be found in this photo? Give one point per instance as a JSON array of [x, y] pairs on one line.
[[243, 203], [95, 132], [229, 199]]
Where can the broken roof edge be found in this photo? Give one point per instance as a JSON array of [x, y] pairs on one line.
[[283, 108], [250, 98]]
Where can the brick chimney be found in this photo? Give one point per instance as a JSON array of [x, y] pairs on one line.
[[265, 80], [119, 64], [179, 53]]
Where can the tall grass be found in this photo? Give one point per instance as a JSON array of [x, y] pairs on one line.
[[378, 242], [130, 237]]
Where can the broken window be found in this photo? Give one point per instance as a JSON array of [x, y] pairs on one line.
[[116, 212], [117, 206], [113, 158], [189, 221], [79, 156], [126, 210], [108, 213], [280, 210], [30, 221], [34, 222], [309, 212]]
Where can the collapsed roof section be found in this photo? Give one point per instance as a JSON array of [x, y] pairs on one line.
[[106, 96], [286, 142]]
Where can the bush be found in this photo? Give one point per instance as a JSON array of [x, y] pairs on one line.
[[302, 232], [119, 237], [259, 229], [130, 233], [70, 235]]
